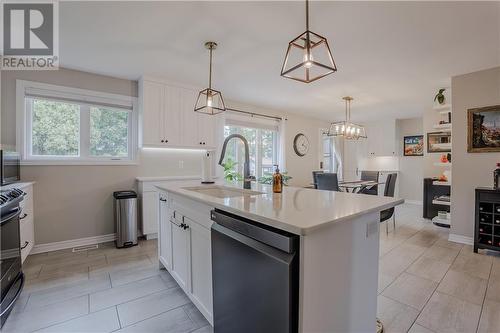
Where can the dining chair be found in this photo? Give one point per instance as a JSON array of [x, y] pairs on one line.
[[385, 215], [315, 180], [373, 176], [327, 181]]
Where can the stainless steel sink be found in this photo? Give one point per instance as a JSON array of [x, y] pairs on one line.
[[222, 192]]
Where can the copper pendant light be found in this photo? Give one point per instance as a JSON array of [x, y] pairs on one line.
[[308, 57], [209, 100]]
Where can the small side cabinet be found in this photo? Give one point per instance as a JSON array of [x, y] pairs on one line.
[[487, 219], [27, 221]]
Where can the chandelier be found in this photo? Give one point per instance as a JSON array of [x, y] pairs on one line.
[[308, 57], [346, 128], [210, 101]]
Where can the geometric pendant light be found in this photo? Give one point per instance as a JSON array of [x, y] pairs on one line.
[[210, 101], [308, 57], [347, 129]]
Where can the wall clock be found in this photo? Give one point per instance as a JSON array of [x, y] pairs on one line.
[[301, 144]]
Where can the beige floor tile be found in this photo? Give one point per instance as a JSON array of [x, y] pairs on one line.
[[98, 322], [416, 328], [449, 244], [395, 317], [445, 313], [400, 258], [440, 253], [493, 291], [495, 269], [384, 281], [122, 263], [28, 321], [55, 280], [429, 268], [478, 265], [464, 286], [125, 293], [424, 238], [490, 317], [411, 290]]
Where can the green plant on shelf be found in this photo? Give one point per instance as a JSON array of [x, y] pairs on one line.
[[439, 96]]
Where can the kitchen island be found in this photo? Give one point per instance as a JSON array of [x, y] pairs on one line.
[[338, 237]]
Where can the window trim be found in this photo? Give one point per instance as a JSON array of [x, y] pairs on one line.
[[86, 98], [258, 126]]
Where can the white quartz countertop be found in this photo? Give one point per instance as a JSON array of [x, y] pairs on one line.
[[296, 210]]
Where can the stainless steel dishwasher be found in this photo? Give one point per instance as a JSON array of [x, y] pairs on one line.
[[255, 276]]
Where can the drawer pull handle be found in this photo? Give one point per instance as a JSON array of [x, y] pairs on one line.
[[25, 245], [162, 199], [23, 217]]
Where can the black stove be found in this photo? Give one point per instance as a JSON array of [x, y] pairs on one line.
[[11, 275]]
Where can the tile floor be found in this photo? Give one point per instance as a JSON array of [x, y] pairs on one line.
[[426, 284], [102, 290]]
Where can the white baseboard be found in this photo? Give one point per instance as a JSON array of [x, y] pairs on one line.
[[461, 239], [414, 202], [68, 244]]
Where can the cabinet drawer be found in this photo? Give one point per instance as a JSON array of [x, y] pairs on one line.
[[27, 236]]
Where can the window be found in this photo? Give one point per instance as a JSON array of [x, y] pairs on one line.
[[263, 147], [74, 126], [330, 163]]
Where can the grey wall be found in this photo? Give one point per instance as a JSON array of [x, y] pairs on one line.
[[470, 170], [411, 168]]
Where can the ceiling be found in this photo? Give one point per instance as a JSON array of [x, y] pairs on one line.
[[391, 56]]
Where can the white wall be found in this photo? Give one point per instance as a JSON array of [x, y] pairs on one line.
[[470, 170], [411, 168]]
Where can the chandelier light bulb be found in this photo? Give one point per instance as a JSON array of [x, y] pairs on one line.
[[308, 59], [209, 101]]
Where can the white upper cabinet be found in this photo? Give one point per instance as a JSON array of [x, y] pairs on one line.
[[168, 119], [381, 139]]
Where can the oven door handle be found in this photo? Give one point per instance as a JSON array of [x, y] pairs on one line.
[[7, 218], [18, 292]]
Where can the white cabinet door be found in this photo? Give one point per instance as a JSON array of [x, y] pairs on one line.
[[150, 210], [180, 254], [172, 116], [152, 101], [189, 134], [165, 232], [381, 139], [206, 130], [201, 266], [26, 223]]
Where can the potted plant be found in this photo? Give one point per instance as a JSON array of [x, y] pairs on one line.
[[440, 97]]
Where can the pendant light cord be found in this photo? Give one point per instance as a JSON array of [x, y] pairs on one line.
[[210, 71], [307, 15]]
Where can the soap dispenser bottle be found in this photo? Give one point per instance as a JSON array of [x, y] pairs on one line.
[[277, 180]]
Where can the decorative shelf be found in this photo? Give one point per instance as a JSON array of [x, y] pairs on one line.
[[439, 202], [437, 182], [442, 164], [444, 107], [443, 127], [442, 145]]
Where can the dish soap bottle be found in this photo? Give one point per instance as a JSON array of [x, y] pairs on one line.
[[277, 180], [496, 177]]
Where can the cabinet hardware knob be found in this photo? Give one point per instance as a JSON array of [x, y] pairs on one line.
[[162, 141], [200, 142], [26, 243], [166, 141], [162, 199]]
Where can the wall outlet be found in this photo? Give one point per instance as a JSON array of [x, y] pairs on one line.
[[181, 164]]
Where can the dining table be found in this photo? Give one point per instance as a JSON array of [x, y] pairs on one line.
[[355, 186]]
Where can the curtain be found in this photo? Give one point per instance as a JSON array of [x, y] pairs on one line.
[[282, 146], [338, 144]]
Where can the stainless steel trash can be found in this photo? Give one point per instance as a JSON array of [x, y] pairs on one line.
[[125, 211]]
